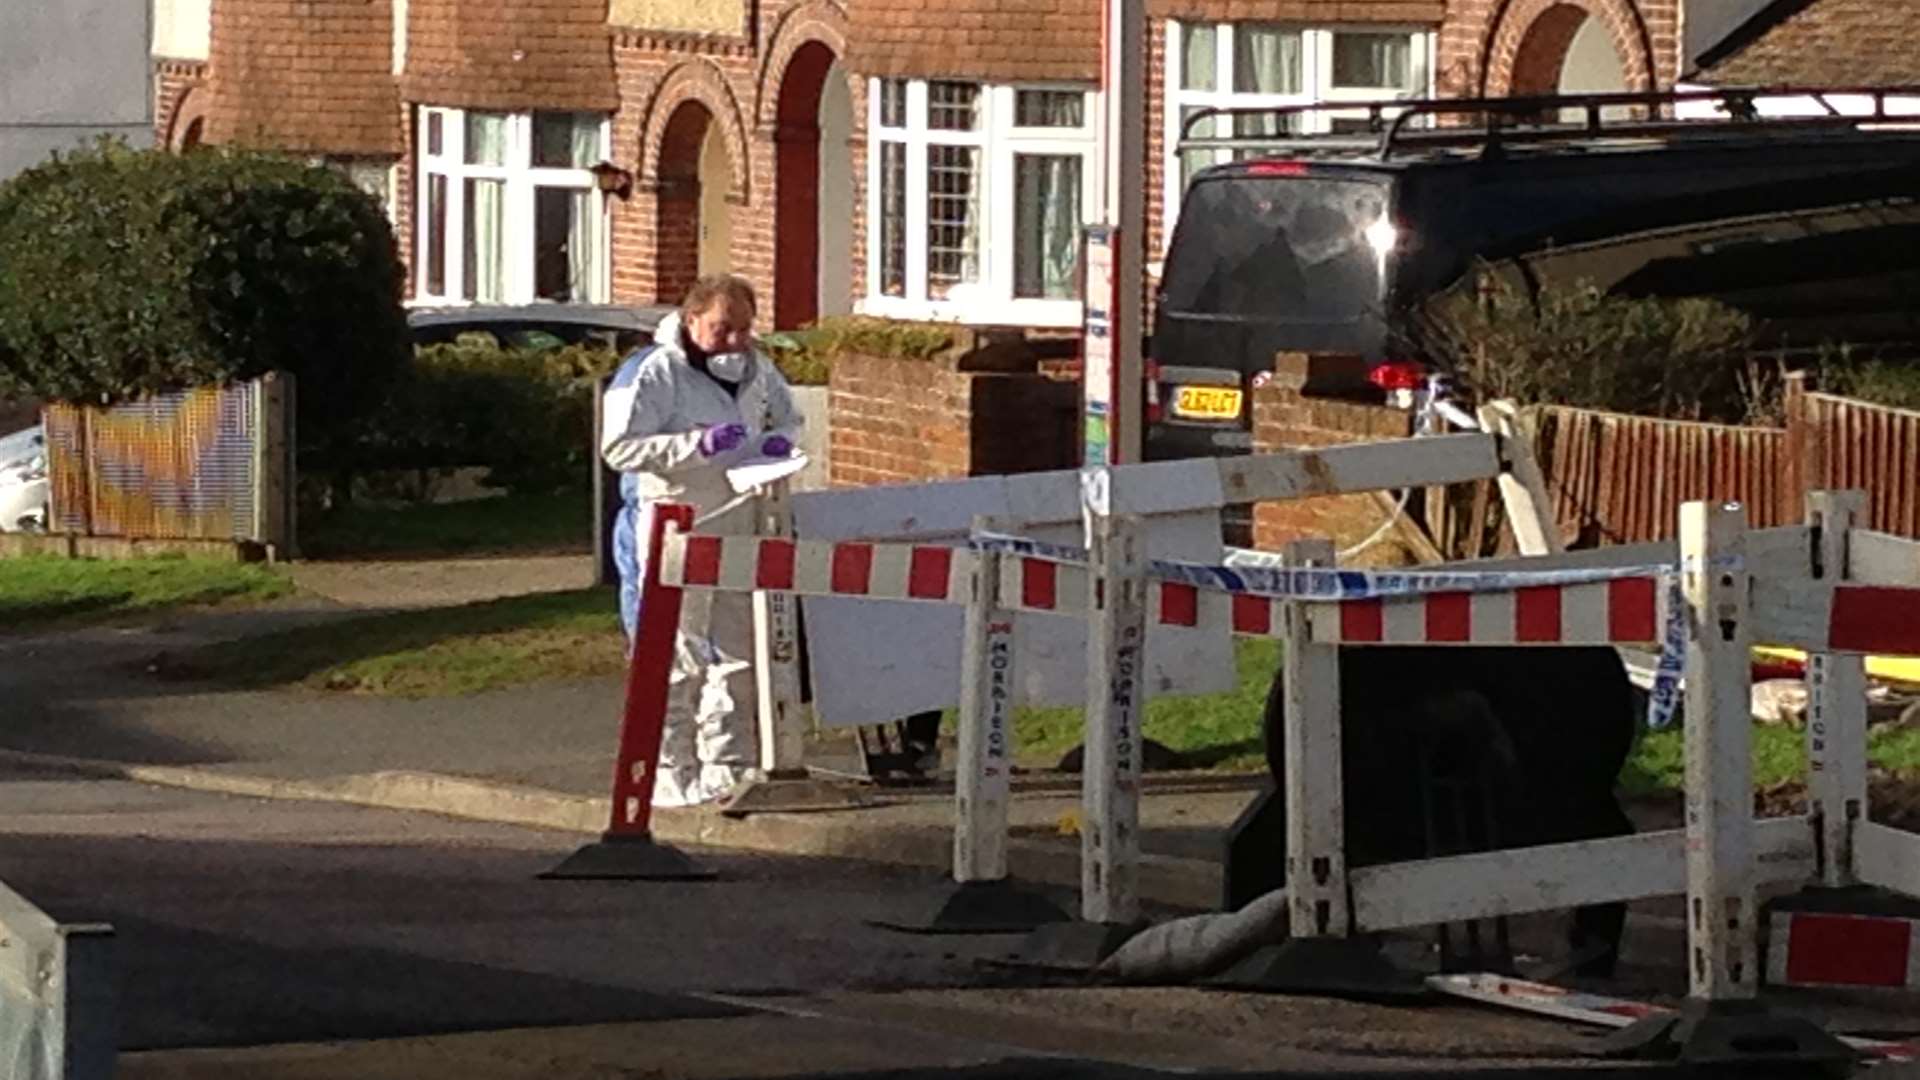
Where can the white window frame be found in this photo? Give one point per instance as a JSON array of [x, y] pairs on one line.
[[522, 181], [1316, 87], [991, 299]]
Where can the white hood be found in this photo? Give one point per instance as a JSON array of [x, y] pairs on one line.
[[667, 334]]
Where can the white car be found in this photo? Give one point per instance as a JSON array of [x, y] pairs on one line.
[[23, 481]]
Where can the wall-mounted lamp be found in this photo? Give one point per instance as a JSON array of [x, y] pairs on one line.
[[612, 179]]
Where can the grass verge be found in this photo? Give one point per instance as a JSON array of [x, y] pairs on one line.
[[1209, 731], [436, 652], [504, 524], [1779, 755], [39, 593]]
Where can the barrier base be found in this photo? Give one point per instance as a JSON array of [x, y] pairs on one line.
[[1077, 946], [1851, 900], [1858, 936], [1344, 967], [985, 907], [628, 858], [790, 792], [1731, 1033]]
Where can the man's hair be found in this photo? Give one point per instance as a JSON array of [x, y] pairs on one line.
[[735, 290]]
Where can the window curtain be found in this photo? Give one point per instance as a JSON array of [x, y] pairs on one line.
[[953, 218], [486, 255], [1199, 57], [486, 139], [1046, 250], [583, 248], [1373, 60], [1050, 108], [586, 141], [1266, 60], [892, 267]]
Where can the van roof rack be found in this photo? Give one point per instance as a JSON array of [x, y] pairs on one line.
[[1391, 128]]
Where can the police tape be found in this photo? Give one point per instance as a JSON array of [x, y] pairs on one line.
[[1328, 583], [1332, 584]]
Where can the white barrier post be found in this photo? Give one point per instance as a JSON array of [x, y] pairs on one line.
[[776, 654], [1721, 917], [1110, 786], [1836, 706], [1316, 870], [984, 783], [985, 899]]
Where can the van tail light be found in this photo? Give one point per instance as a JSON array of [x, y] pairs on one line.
[[1151, 394], [1276, 168], [1399, 375]]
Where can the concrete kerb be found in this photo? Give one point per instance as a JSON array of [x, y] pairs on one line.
[[854, 834]]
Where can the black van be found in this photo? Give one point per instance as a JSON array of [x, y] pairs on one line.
[[1322, 244]]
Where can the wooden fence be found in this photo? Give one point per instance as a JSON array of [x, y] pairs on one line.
[[1616, 479], [210, 464]]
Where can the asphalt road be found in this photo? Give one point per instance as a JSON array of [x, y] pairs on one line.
[[314, 941]]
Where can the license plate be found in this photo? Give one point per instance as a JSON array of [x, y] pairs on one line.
[[1207, 403]]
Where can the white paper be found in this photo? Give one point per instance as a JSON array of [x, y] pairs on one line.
[[761, 470]]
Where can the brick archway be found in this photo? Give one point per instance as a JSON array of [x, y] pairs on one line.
[[186, 128], [1526, 44], [700, 82], [680, 212], [822, 21]]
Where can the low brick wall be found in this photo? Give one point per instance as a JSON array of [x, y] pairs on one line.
[[1287, 417], [911, 421]]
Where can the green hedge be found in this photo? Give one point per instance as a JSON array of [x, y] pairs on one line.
[[524, 415], [128, 272], [805, 356], [1577, 345]]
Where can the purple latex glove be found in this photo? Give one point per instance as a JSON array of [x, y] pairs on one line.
[[721, 438], [777, 446]]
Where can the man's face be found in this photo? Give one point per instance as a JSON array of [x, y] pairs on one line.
[[726, 326]]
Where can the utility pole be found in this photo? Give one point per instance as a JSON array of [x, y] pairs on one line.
[[1115, 248]]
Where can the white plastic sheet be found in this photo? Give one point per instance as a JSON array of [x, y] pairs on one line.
[[875, 661]]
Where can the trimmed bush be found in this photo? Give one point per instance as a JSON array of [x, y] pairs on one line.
[[1690, 359], [805, 356], [525, 415], [128, 272]]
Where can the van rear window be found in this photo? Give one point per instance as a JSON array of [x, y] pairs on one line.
[[1279, 249]]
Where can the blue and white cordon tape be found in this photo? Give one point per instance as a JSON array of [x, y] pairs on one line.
[[1326, 583]]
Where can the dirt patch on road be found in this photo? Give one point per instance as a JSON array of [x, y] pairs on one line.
[[441, 582]]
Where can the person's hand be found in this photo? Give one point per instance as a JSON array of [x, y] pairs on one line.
[[777, 446], [721, 438]]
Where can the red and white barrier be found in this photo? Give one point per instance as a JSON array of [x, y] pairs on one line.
[[921, 572], [1621, 612], [1788, 587], [1604, 1010]]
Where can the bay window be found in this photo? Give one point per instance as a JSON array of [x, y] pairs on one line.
[[509, 211], [975, 195], [1260, 65]]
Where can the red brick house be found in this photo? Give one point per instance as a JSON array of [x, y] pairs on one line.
[[547, 149], [901, 157]]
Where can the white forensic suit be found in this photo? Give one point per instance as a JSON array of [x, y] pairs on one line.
[[653, 416]]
